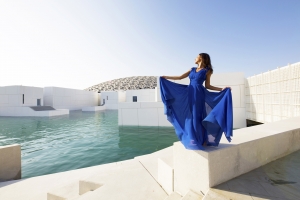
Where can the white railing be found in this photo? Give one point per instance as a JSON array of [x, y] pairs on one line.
[[273, 95]]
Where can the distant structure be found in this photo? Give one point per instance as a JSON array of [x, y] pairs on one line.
[[128, 83]]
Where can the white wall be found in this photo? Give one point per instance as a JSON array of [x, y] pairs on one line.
[[142, 114], [274, 95], [11, 96], [143, 95], [66, 98], [122, 96], [11, 102], [99, 99], [111, 99]]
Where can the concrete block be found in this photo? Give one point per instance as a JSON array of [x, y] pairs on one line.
[[250, 148], [8, 111], [165, 175], [87, 186], [18, 111], [26, 111], [111, 106], [93, 108], [149, 161], [147, 117], [120, 121], [130, 116], [129, 105], [10, 159], [239, 117], [48, 100], [191, 171]]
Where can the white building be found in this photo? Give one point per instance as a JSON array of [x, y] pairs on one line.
[[21, 100], [111, 99], [71, 99]]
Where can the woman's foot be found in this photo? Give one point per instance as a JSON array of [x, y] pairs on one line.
[[204, 144]]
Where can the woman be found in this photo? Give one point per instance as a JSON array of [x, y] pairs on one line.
[[198, 115]]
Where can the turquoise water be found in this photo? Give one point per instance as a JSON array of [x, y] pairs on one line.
[[81, 139]]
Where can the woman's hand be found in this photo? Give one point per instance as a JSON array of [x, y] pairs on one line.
[[226, 87], [165, 77]]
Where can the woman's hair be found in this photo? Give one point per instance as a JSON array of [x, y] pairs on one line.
[[206, 61]]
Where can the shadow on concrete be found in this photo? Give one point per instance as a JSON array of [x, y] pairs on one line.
[[279, 179]]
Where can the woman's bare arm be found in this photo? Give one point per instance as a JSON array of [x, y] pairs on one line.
[[177, 77], [208, 86]]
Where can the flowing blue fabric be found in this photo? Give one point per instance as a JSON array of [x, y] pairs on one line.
[[197, 114]]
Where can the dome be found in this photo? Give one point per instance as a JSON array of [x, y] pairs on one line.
[[128, 83]]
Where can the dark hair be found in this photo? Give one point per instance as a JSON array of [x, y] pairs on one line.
[[206, 61]]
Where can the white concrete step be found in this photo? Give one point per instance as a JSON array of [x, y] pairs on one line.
[[66, 192], [130, 182], [149, 161], [160, 165], [165, 174], [190, 195], [73, 191], [173, 196]]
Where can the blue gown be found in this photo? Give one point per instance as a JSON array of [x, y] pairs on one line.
[[197, 114]]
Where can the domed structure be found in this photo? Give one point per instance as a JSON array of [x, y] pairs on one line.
[[128, 83]]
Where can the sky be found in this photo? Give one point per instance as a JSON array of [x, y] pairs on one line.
[[78, 44]]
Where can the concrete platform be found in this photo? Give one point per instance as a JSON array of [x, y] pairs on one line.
[[29, 112], [124, 177]]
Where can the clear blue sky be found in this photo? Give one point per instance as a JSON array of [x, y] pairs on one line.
[[77, 44]]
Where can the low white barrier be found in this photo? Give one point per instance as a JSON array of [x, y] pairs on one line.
[[10, 162], [250, 148]]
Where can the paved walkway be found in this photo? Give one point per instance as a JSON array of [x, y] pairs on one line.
[[279, 179]]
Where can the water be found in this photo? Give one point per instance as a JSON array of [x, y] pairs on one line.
[[81, 139]]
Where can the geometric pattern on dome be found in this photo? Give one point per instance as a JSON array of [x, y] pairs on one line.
[[128, 83]]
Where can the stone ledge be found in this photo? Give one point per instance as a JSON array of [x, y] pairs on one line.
[[10, 159], [250, 148]]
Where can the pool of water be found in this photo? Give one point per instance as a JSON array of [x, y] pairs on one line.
[[81, 139]]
